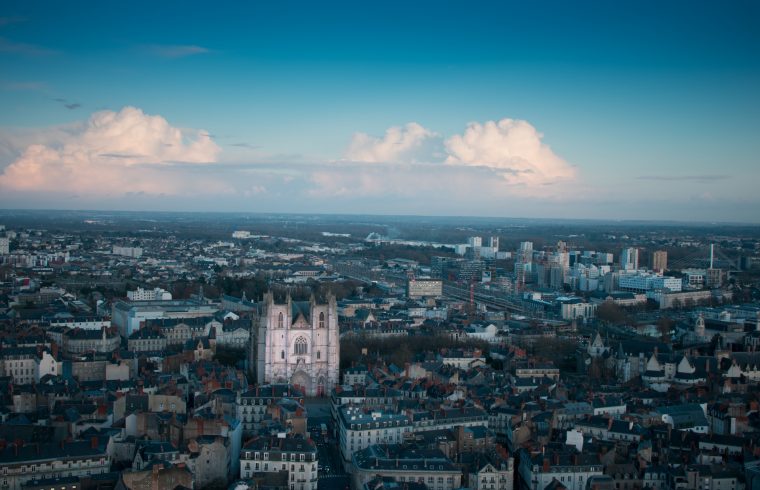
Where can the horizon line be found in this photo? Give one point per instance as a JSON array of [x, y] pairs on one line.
[[666, 222]]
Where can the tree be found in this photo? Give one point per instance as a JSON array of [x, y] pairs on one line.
[[611, 313], [665, 326]]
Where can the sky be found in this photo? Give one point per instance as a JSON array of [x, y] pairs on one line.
[[552, 109]]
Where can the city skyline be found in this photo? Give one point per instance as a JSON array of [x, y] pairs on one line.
[[589, 110]]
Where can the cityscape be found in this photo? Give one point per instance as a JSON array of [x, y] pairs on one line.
[[164, 350], [379, 246]]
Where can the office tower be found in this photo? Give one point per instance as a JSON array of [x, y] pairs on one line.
[[629, 259]]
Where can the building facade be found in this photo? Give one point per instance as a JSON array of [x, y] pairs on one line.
[[296, 342], [629, 259], [660, 261], [295, 456]]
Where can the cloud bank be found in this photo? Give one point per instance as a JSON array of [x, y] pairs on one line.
[[127, 156], [114, 152], [494, 157], [399, 144], [512, 147]]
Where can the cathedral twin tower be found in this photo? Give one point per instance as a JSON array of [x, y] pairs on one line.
[[296, 342]]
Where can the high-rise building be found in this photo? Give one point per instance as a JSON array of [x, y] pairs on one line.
[[475, 241], [660, 261], [296, 342], [494, 243], [629, 259], [4, 245]]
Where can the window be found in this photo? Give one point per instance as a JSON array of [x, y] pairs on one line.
[[319, 354], [300, 346], [280, 321], [282, 355], [321, 320]]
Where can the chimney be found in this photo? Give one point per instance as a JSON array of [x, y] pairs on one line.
[[546, 465], [94, 442]]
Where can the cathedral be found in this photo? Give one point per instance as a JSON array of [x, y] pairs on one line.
[[296, 342]]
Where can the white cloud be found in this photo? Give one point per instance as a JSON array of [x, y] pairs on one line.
[[400, 144], [511, 146], [113, 153]]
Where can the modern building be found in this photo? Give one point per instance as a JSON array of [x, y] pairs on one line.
[[660, 261], [296, 342], [641, 282], [156, 294], [424, 288], [629, 259], [127, 316]]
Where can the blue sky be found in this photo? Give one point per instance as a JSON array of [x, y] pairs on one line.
[[547, 109]]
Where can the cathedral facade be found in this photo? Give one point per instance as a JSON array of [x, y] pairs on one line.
[[296, 342]]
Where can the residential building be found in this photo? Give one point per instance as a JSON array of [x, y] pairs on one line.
[[358, 428], [295, 456], [405, 463]]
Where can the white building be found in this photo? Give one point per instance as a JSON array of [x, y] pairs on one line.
[[574, 311], [424, 288], [20, 363], [629, 259], [642, 282], [359, 429], [127, 316], [570, 468], [294, 455], [156, 294]]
